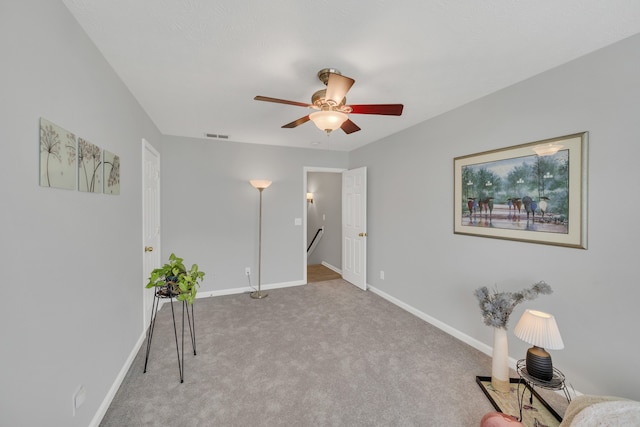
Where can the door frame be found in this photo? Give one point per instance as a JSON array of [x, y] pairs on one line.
[[305, 205], [146, 308]]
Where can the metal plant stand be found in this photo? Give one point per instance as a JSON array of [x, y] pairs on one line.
[[529, 382], [163, 293]]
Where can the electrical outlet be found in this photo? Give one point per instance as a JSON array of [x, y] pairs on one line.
[[381, 274], [247, 271]]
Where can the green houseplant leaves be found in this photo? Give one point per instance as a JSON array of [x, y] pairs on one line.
[[175, 277]]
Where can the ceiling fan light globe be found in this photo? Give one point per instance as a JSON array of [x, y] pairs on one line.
[[328, 120]]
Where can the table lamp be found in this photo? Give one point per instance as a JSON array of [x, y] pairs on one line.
[[540, 330]]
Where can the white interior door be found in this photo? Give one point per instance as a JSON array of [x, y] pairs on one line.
[[354, 227], [150, 221]]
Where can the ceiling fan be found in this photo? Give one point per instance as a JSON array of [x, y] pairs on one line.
[[332, 105]]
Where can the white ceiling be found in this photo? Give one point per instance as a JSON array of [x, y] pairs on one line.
[[195, 65]]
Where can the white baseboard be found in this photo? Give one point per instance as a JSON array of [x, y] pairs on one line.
[[97, 418], [478, 345], [451, 331], [106, 402], [331, 267], [247, 289]]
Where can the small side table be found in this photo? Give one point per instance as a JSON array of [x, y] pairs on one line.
[[555, 383]]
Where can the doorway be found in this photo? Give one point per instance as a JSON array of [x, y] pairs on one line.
[[322, 222], [335, 222]]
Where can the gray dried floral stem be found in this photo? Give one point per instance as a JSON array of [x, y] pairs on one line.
[[497, 306]]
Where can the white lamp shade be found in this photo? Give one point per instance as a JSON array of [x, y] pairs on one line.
[[328, 120], [539, 329], [260, 184]]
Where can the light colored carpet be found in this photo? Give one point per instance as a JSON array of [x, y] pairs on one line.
[[320, 273], [317, 355]]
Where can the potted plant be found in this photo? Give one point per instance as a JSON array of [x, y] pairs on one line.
[[176, 280]]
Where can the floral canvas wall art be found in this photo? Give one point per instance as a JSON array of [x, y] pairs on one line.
[[89, 167], [57, 156], [111, 173]]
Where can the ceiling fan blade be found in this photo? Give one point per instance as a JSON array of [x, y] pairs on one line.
[[349, 127], [281, 101], [338, 86], [298, 122], [382, 109]]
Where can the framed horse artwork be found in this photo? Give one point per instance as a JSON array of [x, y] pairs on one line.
[[534, 192]]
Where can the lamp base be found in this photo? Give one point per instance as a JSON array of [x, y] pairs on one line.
[[258, 295], [539, 364]]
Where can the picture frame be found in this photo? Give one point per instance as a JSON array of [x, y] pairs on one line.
[[111, 170], [57, 156], [90, 167], [534, 192]]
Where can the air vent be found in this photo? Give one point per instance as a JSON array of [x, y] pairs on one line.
[[213, 135]]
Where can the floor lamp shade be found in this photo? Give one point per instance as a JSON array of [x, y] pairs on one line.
[[260, 185], [541, 330]]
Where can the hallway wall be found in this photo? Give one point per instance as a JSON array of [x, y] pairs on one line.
[[326, 211]]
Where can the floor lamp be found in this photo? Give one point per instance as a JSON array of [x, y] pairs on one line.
[[260, 185]]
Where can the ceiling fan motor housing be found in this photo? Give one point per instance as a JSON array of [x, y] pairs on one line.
[[321, 102], [323, 74]]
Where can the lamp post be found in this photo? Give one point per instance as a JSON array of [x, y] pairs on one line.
[[489, 186], [546, 176], [519, 182], [260, 185]]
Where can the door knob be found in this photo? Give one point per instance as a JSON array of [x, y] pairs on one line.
[[362, 234], [148, 248]]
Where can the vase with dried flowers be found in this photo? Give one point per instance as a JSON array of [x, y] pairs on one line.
[[496, 308]]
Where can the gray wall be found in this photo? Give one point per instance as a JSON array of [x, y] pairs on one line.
[[71, 261], [326, 211], [596, 296], [210, 211]]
